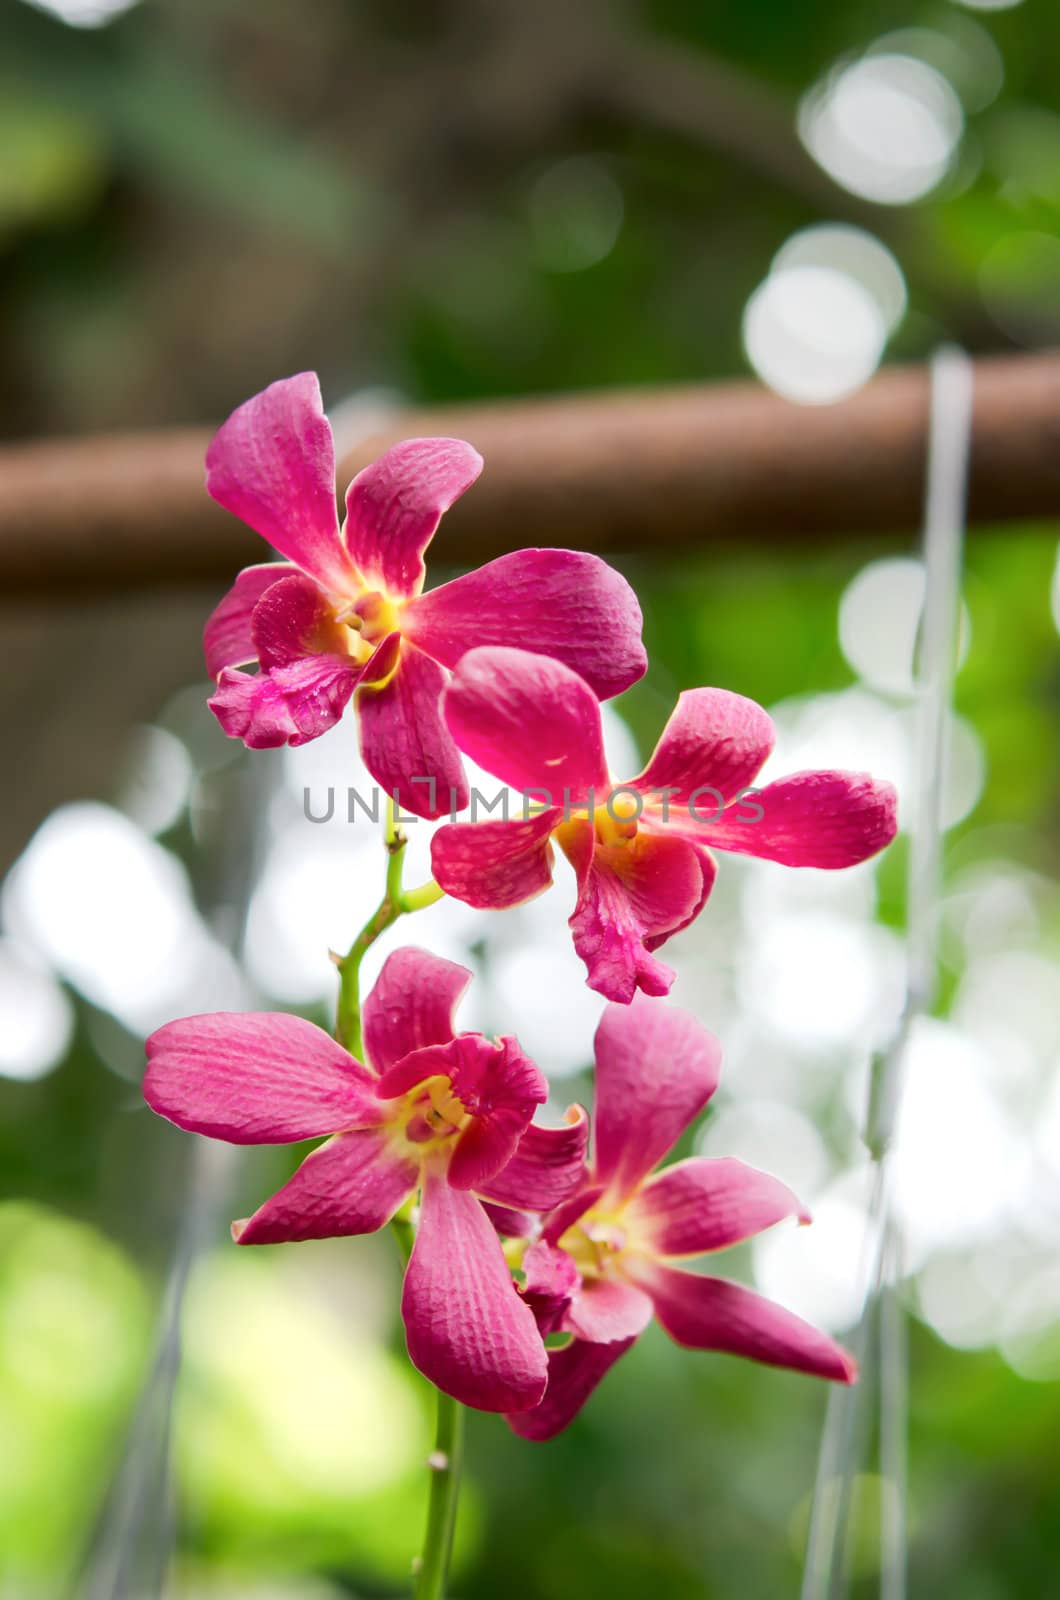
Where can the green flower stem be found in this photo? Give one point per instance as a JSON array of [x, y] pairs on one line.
[[395, 842], [396, 902], [426, 895], [348, 1020], [445, 1463]]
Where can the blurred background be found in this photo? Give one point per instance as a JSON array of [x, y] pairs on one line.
[[457, 199]]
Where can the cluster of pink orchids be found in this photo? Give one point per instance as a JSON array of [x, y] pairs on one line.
[[540, 1254]]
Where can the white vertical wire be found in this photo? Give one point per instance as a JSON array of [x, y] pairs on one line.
[[129, 1556], [883, 1319], [894, 1420]]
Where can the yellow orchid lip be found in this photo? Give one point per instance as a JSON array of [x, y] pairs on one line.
[[427, 1118], [614, 822], [446, 1107]]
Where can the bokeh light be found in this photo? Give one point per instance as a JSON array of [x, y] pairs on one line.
[[772, 1136], [820, 980], [961, 1167], [1030, 1335], [816, 329], [961, 1295], [156, 784], [813, 333], [857, 254], [1006, 1000], [85, 13], [315, 891], [536, 990], [36, 1018], [879, 623], [820, 1271], [113, 913], [886, 126], [989, 5]]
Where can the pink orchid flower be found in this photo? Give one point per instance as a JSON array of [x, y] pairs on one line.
[[602, 1267], [345, 612], [443, 1113], [641, 850]]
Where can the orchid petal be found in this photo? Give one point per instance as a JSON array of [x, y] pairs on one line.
[[411, 1005], [531, 722], [468, 1330], [629, 893], [502, 1104], [606, 1310], [547, 1167], [256, 1078], [355, 1183], [565, 604], [713, 739], [394, 506], [511, 1224], [226, 638], [404, 742], [713, 1314], [708, 868], [293, 619], [810, 819], [551, 1281], [573, 1374], [272, 464], [656, 1068], [284, 705], [706, 1204], [494, 865]]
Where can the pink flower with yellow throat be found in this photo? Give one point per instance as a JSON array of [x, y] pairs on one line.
[[643, 849], [612, 1257], [431, 1113], [346, 615]]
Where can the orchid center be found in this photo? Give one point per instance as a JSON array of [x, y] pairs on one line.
[[377, 615], [364, 621], [595, 1243], [432, 1114], [615, 821]]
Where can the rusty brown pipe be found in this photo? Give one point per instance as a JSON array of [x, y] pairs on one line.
[[656, 470]]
